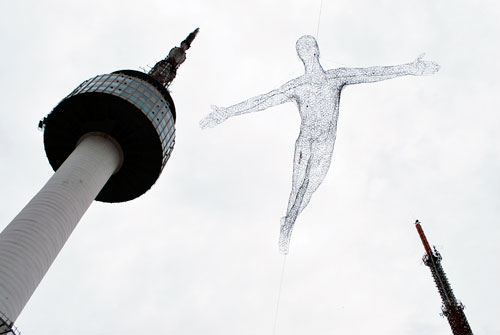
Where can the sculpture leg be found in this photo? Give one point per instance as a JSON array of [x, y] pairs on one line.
[[313, 172], [288, 221], [320, 164], [300, 160], [300, 164]]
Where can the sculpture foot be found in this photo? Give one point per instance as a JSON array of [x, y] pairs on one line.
[[285, 235]]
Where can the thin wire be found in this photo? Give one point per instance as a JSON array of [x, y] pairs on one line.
[[279, 295], [319, 19]]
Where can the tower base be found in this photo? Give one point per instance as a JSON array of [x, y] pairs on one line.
[[7, 326]]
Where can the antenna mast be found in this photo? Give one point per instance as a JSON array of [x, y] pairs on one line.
[[452, 308], [165, 70]]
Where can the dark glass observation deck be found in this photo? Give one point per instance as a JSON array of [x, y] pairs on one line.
[[132, 108]]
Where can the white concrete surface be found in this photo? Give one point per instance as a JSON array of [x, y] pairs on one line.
[[31, 242]]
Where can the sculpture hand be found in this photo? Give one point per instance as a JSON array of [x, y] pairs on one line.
[[217, 116], [424, 68]]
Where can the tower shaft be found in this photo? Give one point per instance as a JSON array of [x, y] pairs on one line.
[[452, 308], [31, 242]]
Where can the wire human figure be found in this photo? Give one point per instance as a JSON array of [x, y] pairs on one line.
[[317, 95]]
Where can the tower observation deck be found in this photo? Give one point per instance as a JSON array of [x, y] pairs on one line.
[[452, 309], [108, 140]]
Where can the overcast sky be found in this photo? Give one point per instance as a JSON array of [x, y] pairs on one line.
[[198, 253]]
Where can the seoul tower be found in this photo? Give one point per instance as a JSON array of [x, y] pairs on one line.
[[108, 140]]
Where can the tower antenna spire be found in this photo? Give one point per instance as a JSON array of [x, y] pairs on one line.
[[165, 70], [452, 308]]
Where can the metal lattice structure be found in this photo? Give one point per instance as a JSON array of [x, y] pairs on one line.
[[452, 308], [165, 70], [316, 94], [7, 326]]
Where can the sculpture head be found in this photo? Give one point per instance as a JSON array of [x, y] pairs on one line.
[[307, 48]]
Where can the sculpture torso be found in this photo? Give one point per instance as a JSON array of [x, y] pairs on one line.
[[317, 98]]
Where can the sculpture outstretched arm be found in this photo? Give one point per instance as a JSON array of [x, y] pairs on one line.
[[350, 76], [255, 104]]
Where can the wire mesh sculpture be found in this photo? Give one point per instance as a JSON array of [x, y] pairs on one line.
[[317, 95]]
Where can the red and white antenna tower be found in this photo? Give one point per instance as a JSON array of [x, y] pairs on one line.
[[452, 308]]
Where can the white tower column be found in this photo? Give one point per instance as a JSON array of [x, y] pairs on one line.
[[31, 242]]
